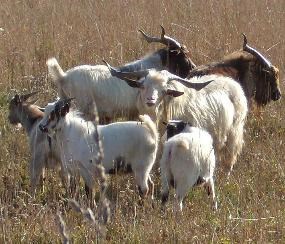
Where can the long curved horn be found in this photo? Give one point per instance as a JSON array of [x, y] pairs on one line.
[[148, 38], [255, 53], [189, 84], [130, 77], [116, 71], [26, 96], [41, 109], [169, 41], [166, 40]]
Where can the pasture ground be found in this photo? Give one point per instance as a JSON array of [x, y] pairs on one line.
[[251, 205]]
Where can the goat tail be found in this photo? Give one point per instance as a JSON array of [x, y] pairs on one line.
[[150, 125], [55, 71]]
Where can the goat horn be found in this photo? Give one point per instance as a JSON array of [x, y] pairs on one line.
[[166, 40], [138, 73], [187, 83], [26, 96], [112, 69], [255, 53], [131, 77], [148, 38], [41, 109]]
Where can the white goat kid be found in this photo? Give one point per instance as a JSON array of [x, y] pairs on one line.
[[219, 107], [188, 160], [133, 142]]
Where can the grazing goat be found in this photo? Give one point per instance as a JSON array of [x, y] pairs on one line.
[[44, 153], [219, 107], [188, 159], [114, 98], [257, 76], [133, 142]]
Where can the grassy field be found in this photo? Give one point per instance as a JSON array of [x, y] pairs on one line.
[[251, 205]]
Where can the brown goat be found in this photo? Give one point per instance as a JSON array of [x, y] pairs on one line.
[[44, 153], [258, 77]]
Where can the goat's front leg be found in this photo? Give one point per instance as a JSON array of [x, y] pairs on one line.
[[66, 178], [210, 188], [151, 187], [36, 170], [70, 182]]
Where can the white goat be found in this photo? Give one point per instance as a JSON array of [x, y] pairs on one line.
[[188, 159], [43, 152], [133, 142], [114, 98], [219, 107]]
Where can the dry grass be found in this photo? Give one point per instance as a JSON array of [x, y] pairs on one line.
[[251, 205]]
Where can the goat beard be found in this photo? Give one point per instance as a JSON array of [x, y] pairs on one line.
[[263, 93]]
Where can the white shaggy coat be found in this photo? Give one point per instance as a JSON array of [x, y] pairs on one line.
[[94, 84], [135, 142], [220, 108], [187, 158]]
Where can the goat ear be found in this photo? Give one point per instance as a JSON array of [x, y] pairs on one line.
[[174, 93]]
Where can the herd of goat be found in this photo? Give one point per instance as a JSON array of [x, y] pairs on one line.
[[197, 113]]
